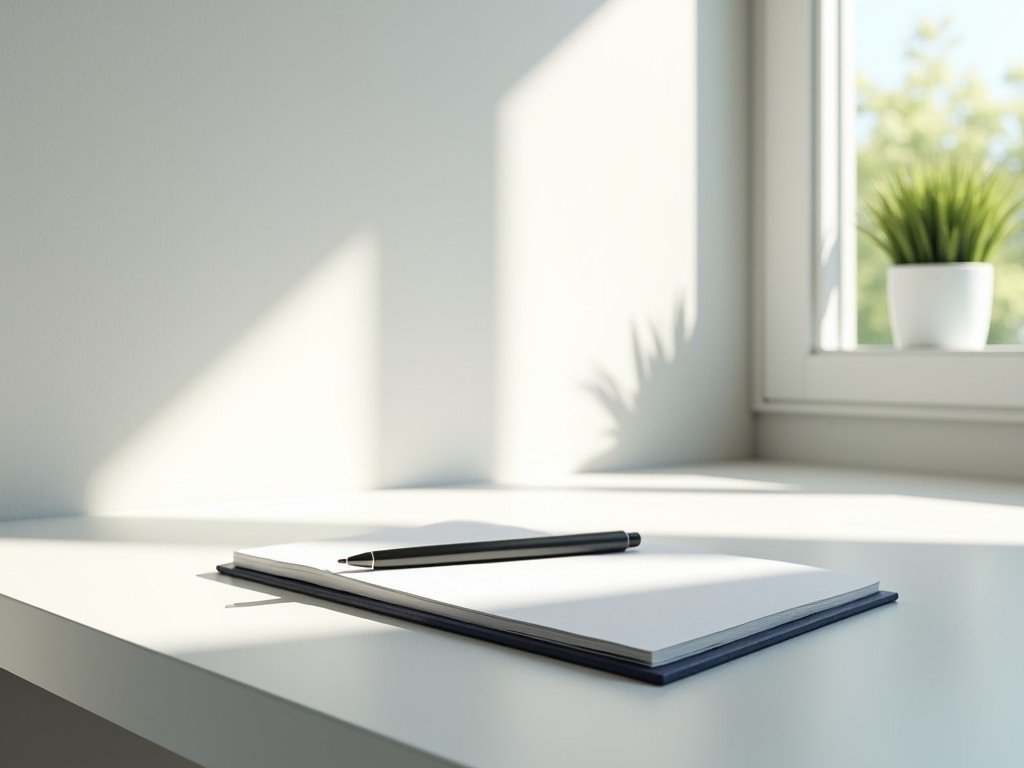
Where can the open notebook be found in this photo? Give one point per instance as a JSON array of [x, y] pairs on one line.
[[654, 613]]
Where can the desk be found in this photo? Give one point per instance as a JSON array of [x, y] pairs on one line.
[[124, 616]]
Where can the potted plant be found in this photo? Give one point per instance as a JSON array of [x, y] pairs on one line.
[[939, 223]]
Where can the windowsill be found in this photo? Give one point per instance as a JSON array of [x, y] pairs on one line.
[[888, 410], [889, 350]]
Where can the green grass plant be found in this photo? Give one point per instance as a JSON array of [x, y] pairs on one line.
[[950, 210]]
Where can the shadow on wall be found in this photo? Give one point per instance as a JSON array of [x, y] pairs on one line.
[[691, 399], [648, 420], [218, 223]]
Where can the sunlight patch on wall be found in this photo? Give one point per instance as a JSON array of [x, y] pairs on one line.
[[290, 409], [596, 226]]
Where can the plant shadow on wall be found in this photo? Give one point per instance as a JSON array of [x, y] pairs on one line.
[[647, 423]]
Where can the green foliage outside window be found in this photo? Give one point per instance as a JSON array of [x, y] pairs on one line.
[[935, 110]]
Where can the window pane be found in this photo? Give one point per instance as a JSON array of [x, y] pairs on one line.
[[936, 75]]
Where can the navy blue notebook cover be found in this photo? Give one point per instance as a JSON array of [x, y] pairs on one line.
[[660, 675]]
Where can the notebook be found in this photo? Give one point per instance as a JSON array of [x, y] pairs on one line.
[[654, 613]]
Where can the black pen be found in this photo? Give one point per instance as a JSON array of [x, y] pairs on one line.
[[495, 551]]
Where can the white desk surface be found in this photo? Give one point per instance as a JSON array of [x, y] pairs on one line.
[[125, 616]]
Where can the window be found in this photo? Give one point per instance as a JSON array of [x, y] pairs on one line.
[[934, 75], [812, 357]]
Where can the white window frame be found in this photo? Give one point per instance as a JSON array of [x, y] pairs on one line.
[[802, 362]]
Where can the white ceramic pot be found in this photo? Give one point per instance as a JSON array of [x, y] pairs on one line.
[[940, 306]]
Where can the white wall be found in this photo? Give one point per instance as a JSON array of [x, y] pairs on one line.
[[280, 248]]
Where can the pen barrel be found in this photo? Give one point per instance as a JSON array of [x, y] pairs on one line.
[[508, 549]]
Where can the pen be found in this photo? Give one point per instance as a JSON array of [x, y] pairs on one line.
[[494, 551]]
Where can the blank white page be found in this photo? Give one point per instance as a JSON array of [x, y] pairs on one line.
[[649, 598]]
